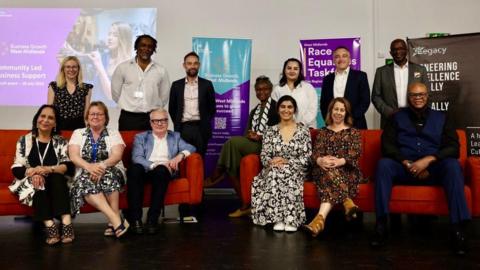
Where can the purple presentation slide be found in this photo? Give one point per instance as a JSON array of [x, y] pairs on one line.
[[33, 42]]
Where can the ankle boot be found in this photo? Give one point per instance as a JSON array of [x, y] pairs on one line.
[[351, 209], [316, 226]]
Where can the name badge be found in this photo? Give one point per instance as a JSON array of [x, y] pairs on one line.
[[138, 94]]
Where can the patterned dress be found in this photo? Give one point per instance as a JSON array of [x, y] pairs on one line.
[[114, 177], [337, 184], [70, 107], [277, 193]]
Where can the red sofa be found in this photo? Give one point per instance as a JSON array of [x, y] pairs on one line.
[[405, 199], [188, 188]]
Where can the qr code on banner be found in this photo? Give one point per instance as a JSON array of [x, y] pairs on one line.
[[220, 122]]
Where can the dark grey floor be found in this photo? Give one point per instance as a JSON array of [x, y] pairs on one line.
[[217, 242]]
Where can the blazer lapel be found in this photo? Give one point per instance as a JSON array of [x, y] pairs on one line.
[[348, 85], [391, 75], [171, 145], [149, 144]]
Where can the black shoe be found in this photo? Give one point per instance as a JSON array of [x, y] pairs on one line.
[[459, 243], [380, 236], [152, 228], [136, 227]]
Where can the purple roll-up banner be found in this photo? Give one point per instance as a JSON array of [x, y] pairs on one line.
[[225, 62], [317, 59]]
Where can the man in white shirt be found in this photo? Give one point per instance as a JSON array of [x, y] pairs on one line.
[[348, 83], [140, 85], [391, 81], [156, 155], [192, 105]]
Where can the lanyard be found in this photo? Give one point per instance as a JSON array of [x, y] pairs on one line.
[[40, 156], [94, 146]]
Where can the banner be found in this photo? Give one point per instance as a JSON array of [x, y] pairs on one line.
[[317, 59], [225, 62], [454, 84], [33, 42]]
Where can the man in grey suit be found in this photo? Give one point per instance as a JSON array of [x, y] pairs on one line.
[[391, 81]]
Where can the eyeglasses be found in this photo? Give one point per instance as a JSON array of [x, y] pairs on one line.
[[71, 67], [159, 121], [415, 95], [96, 114]]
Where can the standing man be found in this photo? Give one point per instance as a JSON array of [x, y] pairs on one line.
[[140, 85], [390, 85], [348, 83], [156, 155], [420, 147], [192, 105]]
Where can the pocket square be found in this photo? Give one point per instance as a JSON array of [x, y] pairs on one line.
[[417, 75]]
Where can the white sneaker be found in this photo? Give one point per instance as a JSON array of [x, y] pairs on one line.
[[279, 226], [290, 228]]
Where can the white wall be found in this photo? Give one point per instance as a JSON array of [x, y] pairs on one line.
[[275, 28]]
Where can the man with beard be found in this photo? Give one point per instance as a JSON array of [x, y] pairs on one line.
[[140, 85], [192, 105], [390, 84], [420, 147]]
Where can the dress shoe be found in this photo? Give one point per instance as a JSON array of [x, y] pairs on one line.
[[240, 213], [380, 235], [137, 227], [152, 227], [459, 243], [279, 226], [290, 228]]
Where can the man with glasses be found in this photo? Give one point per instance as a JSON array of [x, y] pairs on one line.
[[420, 147], [156, 155], [390, 84], [192, 105]]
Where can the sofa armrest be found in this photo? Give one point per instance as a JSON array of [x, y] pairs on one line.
[[250, 166], [194, 173], [473, 175]]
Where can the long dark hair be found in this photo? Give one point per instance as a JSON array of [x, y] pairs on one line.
[[55, 130], [287, 98], [301, 77]]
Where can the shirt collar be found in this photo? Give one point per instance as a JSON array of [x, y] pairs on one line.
[[397, 66], [345, 72], [194, 81]]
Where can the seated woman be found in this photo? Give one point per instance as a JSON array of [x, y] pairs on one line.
[[97, 152], [263, 115], [70, 95], [336, 171], [41, 161], [277, 191]]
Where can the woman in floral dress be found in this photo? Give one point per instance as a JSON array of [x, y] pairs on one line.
[[336, 171], [277, 192]]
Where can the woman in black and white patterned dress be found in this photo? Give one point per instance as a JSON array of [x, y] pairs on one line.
[[70, 95], [277, 192], [97, 152]]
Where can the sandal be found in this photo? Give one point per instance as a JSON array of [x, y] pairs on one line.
[[109, 231], [122, 228], [53, 236], [351, 209], [67, 233], [316, 226]]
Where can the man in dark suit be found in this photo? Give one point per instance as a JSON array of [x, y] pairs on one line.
[[348, 83], [192, 105], [390, 85]]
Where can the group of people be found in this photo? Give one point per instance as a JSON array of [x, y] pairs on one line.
[[417, 143]]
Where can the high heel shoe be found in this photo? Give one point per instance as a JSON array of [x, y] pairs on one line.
[[68, 234], [316, 226], [122, 228], [351, 209], [53, 236]]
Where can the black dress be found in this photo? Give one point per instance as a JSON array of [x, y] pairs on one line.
[[70, 107]]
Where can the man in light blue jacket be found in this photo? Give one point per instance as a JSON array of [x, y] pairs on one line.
[[156, 155]]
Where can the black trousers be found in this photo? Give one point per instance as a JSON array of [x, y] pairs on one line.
[[133, 121], [137, 177], [192, 134], [71, 123], [54, 201]]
